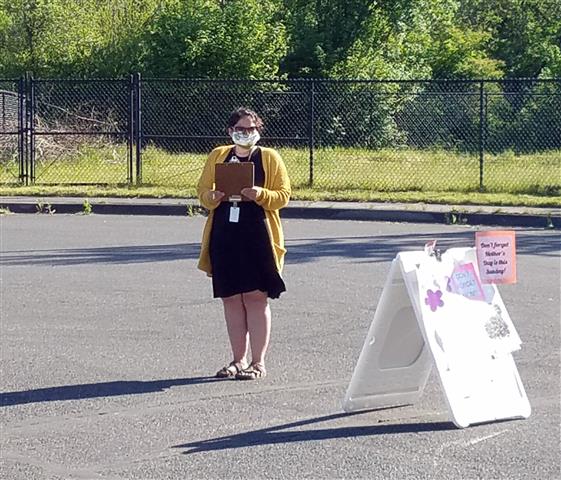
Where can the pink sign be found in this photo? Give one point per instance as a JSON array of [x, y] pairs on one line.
[[496, 256], [464, 280]]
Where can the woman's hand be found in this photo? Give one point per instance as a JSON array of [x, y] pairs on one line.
[[215, 195], [251, 193]]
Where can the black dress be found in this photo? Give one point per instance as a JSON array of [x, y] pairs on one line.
[[241, 253]]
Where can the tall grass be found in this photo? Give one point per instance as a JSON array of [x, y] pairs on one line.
[[333, 170]]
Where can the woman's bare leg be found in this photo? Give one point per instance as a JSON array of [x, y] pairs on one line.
[[236, 324], [258, 316]]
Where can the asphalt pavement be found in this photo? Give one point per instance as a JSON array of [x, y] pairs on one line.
[[110, 338]]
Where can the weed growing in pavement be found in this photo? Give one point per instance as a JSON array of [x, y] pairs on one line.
[[194, 210], [86, 207], [45, 208], [455, 218]]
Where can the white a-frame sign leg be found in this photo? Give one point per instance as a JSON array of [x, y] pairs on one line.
[[420, 321]]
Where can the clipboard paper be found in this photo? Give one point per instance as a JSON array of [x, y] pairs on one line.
[[231, 178]]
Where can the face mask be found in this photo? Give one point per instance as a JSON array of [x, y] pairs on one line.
[[246, 140]]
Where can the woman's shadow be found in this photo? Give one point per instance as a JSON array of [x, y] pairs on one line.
[[93, 390]]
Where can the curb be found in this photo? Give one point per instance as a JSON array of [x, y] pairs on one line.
[[438, 217], [414, 213], [96, 208]]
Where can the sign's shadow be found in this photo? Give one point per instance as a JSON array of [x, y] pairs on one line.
[[284, 433]]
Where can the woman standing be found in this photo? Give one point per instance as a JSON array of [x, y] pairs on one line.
[[244, 253]]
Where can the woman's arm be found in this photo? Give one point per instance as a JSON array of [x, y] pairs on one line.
[[278, 195], [209, 198]]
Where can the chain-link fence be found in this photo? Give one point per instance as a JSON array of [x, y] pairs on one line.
[[498, 136], [11, 125], [81, 131]]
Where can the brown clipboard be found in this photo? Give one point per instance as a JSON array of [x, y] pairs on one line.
[[232, 177]]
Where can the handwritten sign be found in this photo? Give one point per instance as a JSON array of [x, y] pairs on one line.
[[464, 280], [496, 256]]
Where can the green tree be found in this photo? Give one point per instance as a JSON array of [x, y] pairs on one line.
[[401, 39], [212, 39], [321, 33], [25, 35], [525, 35], [108, 39], [72, 38], [392, 45], [276, 38]]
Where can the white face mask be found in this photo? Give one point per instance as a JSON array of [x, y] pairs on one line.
[[246, 140]]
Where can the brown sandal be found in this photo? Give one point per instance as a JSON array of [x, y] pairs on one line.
[[253, 372], [230, 370]]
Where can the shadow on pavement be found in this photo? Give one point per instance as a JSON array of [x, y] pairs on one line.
[[93, 390], [278, 434], [385, 247], [103, 255], [365, 249]]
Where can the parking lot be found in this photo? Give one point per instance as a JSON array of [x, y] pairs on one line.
[[110, 338]]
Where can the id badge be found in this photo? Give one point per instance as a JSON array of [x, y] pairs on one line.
[[234, 214]]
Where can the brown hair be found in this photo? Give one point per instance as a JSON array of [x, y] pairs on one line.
[[245, 112]]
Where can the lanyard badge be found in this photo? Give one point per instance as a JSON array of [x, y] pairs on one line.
[[234, 213]]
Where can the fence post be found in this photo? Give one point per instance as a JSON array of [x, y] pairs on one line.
[[138, 127], [30, 128], [311, 133], [22, 132], [130, 129], [481, 133]]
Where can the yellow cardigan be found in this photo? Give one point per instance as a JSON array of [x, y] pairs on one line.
[[273, 196]]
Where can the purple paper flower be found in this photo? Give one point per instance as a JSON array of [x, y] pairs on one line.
[[434, 300]]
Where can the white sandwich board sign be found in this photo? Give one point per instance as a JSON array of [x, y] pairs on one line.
[[434, 310]]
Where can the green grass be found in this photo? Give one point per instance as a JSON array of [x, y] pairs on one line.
[[395, 175]]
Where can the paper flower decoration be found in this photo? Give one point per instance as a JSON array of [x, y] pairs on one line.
[[434, 299]]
